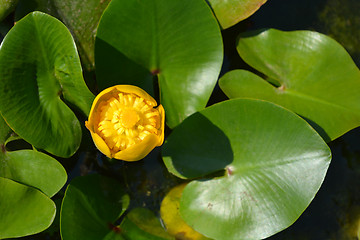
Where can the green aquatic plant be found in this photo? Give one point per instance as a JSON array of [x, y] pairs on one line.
[[248, 166]]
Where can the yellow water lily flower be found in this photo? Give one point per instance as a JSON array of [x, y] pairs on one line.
[[125, 124]]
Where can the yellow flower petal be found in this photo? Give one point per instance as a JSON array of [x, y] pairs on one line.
[[138, 151], [137, 91], [101, 145], [125, 124], [162, 126]]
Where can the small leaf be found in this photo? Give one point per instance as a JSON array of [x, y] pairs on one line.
[[178, 41], [278, 164], [38, 65], [90, 208], [34, 169], [231, 12], [23, 210], [313, 76]]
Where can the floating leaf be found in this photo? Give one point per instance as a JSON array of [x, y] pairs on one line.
[[142, 224], [38, 65], [170, 214], [278, 165], [187, 160], [179, 41], [34, 169], [30, 167], [231, 12], [313, 76], [90, 208], [23, 210]]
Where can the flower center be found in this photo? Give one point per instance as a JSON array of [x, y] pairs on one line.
[[126, 119]]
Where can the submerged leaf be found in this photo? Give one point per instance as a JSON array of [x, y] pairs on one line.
[[6, 7]]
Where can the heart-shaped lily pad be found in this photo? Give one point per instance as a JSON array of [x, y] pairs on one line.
[[23, 210], [39, 65], [231, 12], [91, 207], [279, 162], [313, 76], [178, 40]]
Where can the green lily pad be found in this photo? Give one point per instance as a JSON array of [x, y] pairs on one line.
[[34, 169], [279, 163], [178, 41], [30, 167], [23, 210], [231, 12], [306, 72], [39, 65], [142, 224], [91, 207]]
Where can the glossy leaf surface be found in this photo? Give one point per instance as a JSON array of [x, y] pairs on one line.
[[178, 41], [23, 210], [314, 77], [275, 164], [34, 169], [39, 65], [30, 167], [231, 12], [90, 208]]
